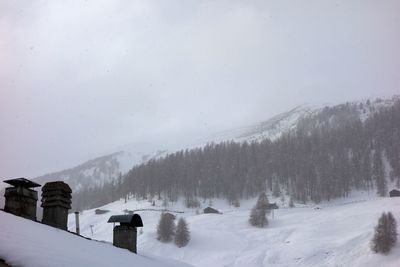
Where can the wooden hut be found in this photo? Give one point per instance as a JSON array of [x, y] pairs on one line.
[[394, 193], [210, 210]]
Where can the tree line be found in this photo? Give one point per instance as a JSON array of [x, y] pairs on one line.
[[328, 155]]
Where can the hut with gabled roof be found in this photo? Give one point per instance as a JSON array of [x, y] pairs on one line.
[[209, 210]]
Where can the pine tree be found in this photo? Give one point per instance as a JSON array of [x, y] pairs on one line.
[[262, 202], [392, 229], [385, 235], [379, 173], [182, 235], [379, 243], [166, 227], [291, 203], [258, 217], [276, 190], [259, 211]]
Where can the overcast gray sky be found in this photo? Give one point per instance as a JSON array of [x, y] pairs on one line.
[[78, 78]]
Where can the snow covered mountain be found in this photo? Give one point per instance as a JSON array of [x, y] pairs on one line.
[[101, 170], [284, 122], [107, 168], [271, 128], [104, 169]]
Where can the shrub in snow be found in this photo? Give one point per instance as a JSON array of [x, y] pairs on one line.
[[385, 236], [258, 215], [165, 228], [182, 234]]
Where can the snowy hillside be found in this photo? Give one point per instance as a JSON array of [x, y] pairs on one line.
[[330, 234], [92, 173], [29, 244], [107, 168], [271, 128], [101, 170]]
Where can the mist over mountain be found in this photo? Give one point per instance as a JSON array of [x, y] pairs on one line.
[[311, 154], [108, 171]]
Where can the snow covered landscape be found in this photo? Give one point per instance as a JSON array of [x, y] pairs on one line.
[[207, 133], [336, 233]]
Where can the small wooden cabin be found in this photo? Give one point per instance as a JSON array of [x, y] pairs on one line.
[[394, 193], [100, 211], [210, 210]]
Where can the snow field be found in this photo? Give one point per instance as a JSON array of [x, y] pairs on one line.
[[338, 233]]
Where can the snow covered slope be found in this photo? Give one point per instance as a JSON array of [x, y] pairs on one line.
[[334, 234], [98, 171], [29, 244], [271, 128], [282, 123], [92, 173], [104, 169]]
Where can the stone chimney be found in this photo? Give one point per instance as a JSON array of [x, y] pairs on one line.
[[56, 201], [125, 234], [20, 199]]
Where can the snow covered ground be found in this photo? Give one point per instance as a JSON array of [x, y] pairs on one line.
[[25, 243], [335, 233]]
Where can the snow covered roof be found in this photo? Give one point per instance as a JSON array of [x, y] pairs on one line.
[[27, 243]]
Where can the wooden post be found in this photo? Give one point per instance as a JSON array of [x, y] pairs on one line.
[[77, 222]]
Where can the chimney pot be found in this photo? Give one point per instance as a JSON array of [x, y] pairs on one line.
[[56, 201], [20, 199]]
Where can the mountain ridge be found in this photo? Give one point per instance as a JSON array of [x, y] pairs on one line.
[[106, 168]]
